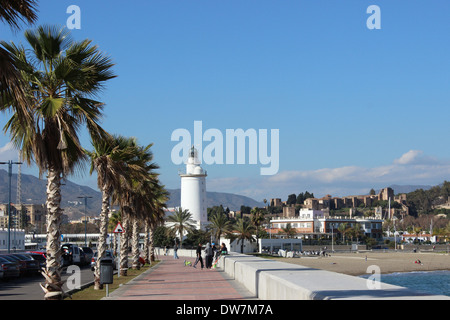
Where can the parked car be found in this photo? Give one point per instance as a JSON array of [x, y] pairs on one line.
[[31, 265], [20, 260], [88, 254], [43, 253], [38, 257], [8, 269], [109, 254], [70, 254]]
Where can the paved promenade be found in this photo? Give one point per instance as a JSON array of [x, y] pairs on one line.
[[171, 280]]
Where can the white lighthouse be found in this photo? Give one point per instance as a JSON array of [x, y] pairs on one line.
[[193, 190]]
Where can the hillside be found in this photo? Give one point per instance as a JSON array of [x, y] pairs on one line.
[[232, 201], [34, 192]]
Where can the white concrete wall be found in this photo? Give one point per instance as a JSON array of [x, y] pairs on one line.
[[274, 280]]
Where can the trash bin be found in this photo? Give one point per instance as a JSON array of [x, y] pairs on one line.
[[106, 270]]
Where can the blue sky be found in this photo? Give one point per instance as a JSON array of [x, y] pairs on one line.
[[356, 108]]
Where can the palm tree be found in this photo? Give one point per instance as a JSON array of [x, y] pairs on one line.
[[12, 12], [257, 218], [111, 159], [128, 197], [288, 231], [60, 77], [343, 229], [180, 221], [245, 231], [115, 218], [219, 224], [154, 219]]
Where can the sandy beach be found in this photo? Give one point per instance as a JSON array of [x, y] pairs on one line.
[[389, 262]]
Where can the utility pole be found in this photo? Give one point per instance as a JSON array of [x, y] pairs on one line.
[[85, 218], [9, 163]]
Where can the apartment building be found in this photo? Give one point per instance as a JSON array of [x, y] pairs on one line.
[[315, 223], [34, 214]]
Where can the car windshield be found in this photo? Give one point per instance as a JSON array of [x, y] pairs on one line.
[[12, 258], [23, 257], [107, 254], [39, 257], [87, 250]]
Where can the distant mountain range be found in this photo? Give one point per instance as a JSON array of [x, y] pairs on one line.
[[230, 200], [34, 192], [408, 188]]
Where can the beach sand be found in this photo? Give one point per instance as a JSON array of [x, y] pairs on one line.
[[389, 262]]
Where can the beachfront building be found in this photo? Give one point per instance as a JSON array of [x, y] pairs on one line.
[[193, 190], [314, 224]]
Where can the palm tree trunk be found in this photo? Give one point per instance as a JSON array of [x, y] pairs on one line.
[[151, 246], [135, 244], [147, 243], [53, 284], [102, 238], [115, 244], [124, 242]]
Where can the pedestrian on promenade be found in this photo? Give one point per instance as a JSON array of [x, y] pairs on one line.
[[223, 249], [209, 256], [199, 256], [175, 253]]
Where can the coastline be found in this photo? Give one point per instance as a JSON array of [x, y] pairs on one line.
[[356, 264]]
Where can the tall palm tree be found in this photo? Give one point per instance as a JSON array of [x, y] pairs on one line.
[[257, 218], [111, 159], [155, 218], [127, 197], [113, 220], [12, 12], [245, 231], [179, 222], [220, 224], [60, 78]]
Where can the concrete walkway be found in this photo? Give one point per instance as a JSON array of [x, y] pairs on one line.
[[171, 280]]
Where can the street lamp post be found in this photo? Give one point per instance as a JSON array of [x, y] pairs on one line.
[[85, 218], [9, 163]]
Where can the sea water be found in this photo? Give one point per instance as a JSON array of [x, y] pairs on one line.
[[433, 282]]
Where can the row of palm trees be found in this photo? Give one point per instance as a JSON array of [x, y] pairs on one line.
[[50, 90], [180, 223]]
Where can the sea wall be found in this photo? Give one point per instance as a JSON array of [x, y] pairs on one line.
[[273, 280], [269, 279]]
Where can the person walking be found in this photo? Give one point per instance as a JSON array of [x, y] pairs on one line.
[[175, 253], [199, 256], [209, 256]]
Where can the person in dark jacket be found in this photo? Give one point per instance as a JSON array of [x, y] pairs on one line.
[[209, 252], [199, 256]]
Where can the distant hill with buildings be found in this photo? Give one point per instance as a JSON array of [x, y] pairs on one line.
[[230, 200], [34, 192]]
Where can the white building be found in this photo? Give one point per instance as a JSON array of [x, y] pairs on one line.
[[193, 190], [17, 238], [315, 223]]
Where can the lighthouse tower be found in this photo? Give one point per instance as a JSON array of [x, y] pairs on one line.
[[193, 190]]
